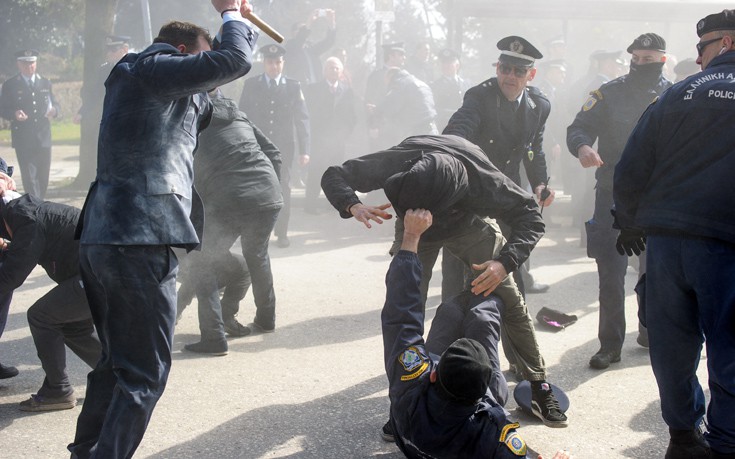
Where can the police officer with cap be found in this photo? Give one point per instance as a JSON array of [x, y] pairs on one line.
[[608, 116], [506, 118], [672, 187], [277, 106], [28, 102], [449, 88]]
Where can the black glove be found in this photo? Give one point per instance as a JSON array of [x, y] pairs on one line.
[[631, 241]]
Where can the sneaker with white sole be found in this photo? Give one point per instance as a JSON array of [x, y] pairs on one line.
[[545, 406], [387, 434]]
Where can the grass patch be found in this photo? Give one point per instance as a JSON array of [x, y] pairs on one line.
[[62, 133]]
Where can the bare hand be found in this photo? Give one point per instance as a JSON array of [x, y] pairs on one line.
[[416, 221], [20, 115], [245, 8], [364, 214], [493, 274], [51, 113], [546, 202], [304, 160], [6, 183], [221, 5], [588, 157]]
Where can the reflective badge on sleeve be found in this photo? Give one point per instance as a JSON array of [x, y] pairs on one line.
[[513, 440], [413, 359], [594, 97]]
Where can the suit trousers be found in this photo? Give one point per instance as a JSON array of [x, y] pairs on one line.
[[35, 166], [132, 297], [480, 243], [690, 299], [254, 229], [61, 317], [469, 316]]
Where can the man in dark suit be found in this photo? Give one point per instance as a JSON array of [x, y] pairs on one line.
[[506, 117], [140, 206], [449, 88], [332, 117], [277, 106], [28, 103]]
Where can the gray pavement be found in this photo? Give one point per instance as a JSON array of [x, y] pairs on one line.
[[316, 388]]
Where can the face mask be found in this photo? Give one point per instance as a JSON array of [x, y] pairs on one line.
[[646, 73]]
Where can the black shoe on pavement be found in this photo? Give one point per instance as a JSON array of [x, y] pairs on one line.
[[545, 405], [38, 403], [235, 328], [387, 434], [256, 327], [687, 444], [603, 359], [7, 372], [213, 348], [283, 242], [537, 287]]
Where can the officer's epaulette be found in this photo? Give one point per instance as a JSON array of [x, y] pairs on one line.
[[487, 83], [536, 92]]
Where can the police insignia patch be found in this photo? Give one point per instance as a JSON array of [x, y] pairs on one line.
[[516, 444], [591, 101], [411, 358]]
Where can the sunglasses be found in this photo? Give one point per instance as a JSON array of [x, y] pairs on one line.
[[506, 69], [703, 44]]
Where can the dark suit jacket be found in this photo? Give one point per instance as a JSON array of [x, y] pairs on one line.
[[154, 107], [280, 113], [17, 95], [479, 121], [332, 116]]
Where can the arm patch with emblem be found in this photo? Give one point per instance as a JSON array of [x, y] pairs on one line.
[[595, 96], [512, 439], [412, 359]]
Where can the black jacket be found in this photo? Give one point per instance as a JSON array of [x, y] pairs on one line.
[[43, 234], [236, 167], [17, 95], [491, 194], [507, 141]]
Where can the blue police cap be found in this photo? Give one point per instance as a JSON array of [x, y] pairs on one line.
[[518, 51], [27, 55], [273, 51]]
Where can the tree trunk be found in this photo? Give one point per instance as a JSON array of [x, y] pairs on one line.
[[98, 23]]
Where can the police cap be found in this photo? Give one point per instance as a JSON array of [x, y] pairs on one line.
[[115, 41], [27, 55], [464, 371], [560, 64], [273, 51], [518, 51], [648, 41], [718, 21], [397, 46], [448, 55]]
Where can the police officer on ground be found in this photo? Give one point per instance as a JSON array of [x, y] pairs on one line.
[[506, 118], [28, 103], [672, 186], [276, 105], [609, 115], [449, 88]]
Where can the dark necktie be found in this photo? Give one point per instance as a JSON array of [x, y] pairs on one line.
[[272, 84]]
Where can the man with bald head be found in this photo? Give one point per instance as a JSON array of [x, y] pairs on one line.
[[332, 113]]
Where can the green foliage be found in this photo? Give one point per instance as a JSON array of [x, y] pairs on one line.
[[54, 27], [62, 133]]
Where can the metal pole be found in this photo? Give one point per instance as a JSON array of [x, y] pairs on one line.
[[146, 13]]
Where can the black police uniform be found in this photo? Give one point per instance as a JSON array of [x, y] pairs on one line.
[[281, 113], [426, 423], [30, 138], [609, 115]]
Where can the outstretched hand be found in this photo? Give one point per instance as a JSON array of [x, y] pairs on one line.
[[493, 273], [415, 222], [364, 214]]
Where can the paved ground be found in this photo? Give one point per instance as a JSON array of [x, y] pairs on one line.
[[316, 387]]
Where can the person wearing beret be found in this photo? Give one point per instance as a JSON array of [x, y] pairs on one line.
[[453, 178], [442, 402], [673, 198], [27, 101], [276, 105], [608, 116]]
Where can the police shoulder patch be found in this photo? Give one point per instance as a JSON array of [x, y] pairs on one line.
[[411, 358], [516, 444], [595, 96]]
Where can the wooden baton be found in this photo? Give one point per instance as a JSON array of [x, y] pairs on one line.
[[262, 25]]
